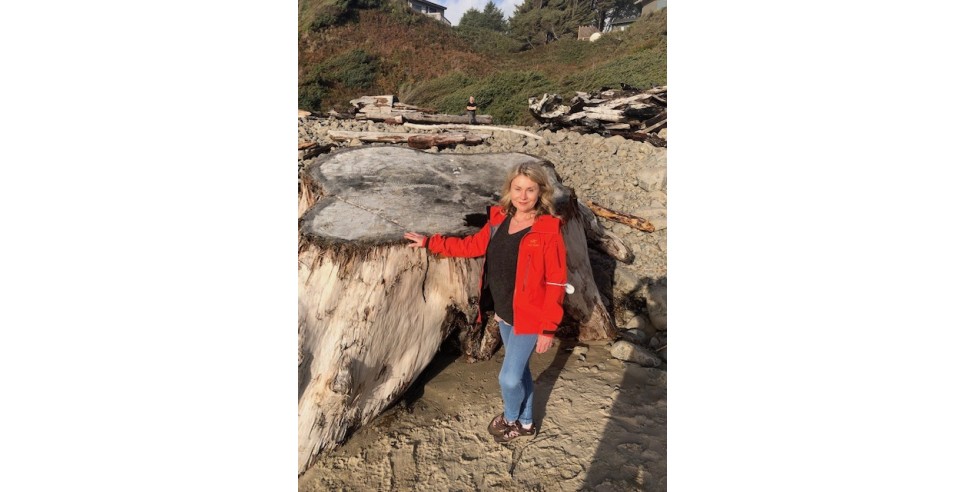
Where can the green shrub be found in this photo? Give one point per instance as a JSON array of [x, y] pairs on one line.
[[355, 68], [488, 41], [644, 69], [316, 15], [502, 95]]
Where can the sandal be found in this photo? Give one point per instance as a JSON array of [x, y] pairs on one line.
[[514, 431], [498, 425]]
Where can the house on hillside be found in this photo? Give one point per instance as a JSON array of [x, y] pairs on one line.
[[618, 25], [648, 6], [431, 9]]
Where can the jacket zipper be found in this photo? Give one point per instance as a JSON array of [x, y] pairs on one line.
[[526, 273]]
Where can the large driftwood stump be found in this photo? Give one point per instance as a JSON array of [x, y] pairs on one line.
[[373, 312]]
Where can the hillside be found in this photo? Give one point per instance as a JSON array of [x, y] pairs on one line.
[[346, 51]]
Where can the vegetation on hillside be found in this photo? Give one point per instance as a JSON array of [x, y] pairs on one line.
[[489, 18], [382, 47]]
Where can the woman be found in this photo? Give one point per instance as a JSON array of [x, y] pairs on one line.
[[524, 274], [471, 110]]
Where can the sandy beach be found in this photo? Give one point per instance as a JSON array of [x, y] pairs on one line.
[[602, 426]]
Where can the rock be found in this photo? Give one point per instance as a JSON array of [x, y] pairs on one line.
[[627, 282], [630, 352], [652, 178], [635, 336], [640, 321], [580, 350], [612, 144], [656, 296]]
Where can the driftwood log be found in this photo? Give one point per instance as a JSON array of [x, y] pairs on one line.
[[388, 110], [621, 217], [373, 312], [415, 140], [308, 149], [475, 127], [632, 113], [603, 239]]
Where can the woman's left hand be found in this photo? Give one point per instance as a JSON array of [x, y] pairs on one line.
[[544, 342]]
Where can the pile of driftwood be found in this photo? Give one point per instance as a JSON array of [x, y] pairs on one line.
[[387, 110], [632, 113]]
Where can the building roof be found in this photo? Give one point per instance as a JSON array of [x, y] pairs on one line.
[[625, 20], [428, 3]]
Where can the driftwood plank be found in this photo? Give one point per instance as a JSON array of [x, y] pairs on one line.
[[655, 127]]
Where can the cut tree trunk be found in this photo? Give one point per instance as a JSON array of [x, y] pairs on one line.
[[373, 312]]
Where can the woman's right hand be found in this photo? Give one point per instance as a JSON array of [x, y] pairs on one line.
[[418, 240]]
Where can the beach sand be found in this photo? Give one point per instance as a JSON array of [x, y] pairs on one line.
[[602, 426]]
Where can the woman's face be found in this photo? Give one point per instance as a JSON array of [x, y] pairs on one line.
[[524, 193]]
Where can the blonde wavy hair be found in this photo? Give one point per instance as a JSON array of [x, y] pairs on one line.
[[536, 173]]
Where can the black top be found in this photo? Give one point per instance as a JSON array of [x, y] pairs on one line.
[[501, 268]]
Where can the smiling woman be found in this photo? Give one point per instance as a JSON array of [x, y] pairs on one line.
[[523, 281]]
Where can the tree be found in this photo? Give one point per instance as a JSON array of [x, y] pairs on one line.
[[490, 18], [608, 10], [537, 22]]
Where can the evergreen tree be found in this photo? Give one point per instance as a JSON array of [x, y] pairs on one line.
[[490, 18], [608, 10], [537, 22]]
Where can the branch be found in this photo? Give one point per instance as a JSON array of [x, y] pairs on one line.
[[626, 219]]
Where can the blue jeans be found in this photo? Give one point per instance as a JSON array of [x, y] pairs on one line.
[[516, 383]]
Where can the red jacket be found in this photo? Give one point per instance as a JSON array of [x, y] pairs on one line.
[[537, 306]]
